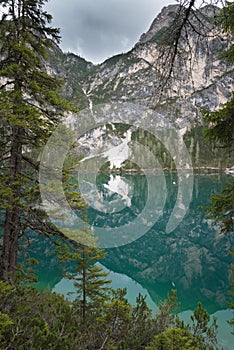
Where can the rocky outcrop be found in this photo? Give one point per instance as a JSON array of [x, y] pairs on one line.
[[162, 21], [201, 78]]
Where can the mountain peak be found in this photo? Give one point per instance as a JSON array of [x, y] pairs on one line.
[[168, 14], [163, 20]]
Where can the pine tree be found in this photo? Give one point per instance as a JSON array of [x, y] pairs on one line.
[[31, 107], [116, 322], [165, 317], [202, 330], [141, 325], [90, 279], [174, 339]]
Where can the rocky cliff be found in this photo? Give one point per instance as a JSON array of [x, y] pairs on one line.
[[200, 79]]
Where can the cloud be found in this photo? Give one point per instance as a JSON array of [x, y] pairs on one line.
[[97, 29]]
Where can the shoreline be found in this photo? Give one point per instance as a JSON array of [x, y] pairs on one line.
[[133, 171]]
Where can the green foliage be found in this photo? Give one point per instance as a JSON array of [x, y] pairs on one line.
[[166, 315], [40, 320], [25, 272], [222, 208], [116, 319], [5, 322], [120, 59], [35, 320], [105, 168], [156, 147], [141, 325], [160, 36], [204, 332], [31, 108], [129, 165], [220, 125], [89, 278], [219, 128], [204, 152], [232, 290], [174, 335], [174, 339], [227, 21]]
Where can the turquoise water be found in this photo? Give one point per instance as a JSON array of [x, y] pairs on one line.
[[225, 338], [193, 258]]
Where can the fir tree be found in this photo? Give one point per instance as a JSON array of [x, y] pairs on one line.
[[31, 107], [202, 330], [90, 279]]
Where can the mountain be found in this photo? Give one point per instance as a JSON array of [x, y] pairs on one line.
[[201, 77]]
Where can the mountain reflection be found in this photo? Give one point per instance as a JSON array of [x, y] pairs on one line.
[[193, 259]]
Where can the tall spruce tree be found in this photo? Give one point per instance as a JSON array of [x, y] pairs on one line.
[[31, 107], [89, 278]]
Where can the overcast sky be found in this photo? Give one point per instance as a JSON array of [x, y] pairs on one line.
[[98, 29]]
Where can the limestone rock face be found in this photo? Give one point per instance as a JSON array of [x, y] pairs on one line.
[[163, 20], [201, 77]]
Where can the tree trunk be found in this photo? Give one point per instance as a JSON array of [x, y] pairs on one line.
[[10, 245], [12, 219]]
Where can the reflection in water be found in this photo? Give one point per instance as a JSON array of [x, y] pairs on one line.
[[113, 196], [193, 259], [117, 185], [120, 227]]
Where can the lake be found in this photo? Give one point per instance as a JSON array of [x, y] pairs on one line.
[[192, 258]]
